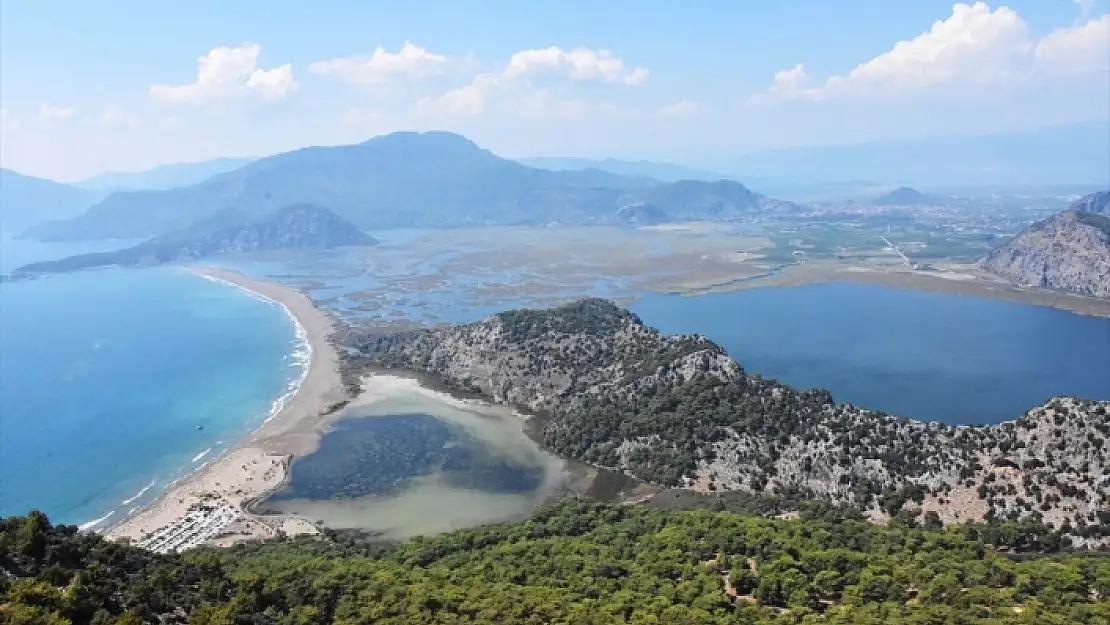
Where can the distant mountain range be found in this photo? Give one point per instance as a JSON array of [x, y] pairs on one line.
[[162, 177], [663, 172], [1071, 154], [403, 180], [293, 227], [1069, 251], [26, 201]]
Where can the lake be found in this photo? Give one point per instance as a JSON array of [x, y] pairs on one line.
[[936, 356]]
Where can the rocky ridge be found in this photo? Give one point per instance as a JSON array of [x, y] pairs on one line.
[[678, 411], [1069, 251]]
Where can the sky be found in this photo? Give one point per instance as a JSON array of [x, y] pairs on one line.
[[124, 85]]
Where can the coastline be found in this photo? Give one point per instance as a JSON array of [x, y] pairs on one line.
[[208, 505], [954, 280]]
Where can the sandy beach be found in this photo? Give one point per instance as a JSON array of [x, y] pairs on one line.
[[207, 506]]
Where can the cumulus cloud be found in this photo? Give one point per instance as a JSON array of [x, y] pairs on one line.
[[976, 48], [411, 62], [225, 73], [50, 112], [576, 64]]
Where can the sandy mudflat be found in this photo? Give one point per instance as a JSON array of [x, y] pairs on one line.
[[258, 463]]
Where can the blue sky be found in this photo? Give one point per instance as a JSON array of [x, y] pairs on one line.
[[88, 87]]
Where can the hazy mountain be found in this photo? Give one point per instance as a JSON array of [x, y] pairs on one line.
[[294, 227], [404, 180], [164, 176], [1069, 251], [663, 172], [26, 201], [1097, 202], [1074, 154], [905, 196]]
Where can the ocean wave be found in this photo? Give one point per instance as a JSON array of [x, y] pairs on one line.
[[132, 498], [197, 457], [301, 356], [93, 523]]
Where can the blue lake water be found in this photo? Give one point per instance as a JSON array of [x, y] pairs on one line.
[[105, 377], [936, 356]]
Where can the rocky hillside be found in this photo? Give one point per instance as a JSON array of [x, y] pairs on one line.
[[294, 227], [1069, 252], [678, 411]]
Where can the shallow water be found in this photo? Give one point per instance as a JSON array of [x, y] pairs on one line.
[[411, 465], [114, 383]]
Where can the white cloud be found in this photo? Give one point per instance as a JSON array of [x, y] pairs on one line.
[[577, 64], [50, 112], [115, 117], [682, 108], [1083, 49], [410, 62], [975, 50], [224, 73]]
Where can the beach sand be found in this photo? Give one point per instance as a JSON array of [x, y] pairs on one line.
[[207, 506]]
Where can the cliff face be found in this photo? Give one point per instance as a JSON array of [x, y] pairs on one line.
[[1069, 252], [677, 410]]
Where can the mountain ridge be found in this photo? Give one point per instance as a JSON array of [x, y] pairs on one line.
[[296, 226], [1069, 251], [26, 201], [401, 180]]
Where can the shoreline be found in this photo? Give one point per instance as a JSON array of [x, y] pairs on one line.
[[208, 504], [955, 281]]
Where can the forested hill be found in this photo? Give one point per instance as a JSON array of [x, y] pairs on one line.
[[572, 563], [678, 411]]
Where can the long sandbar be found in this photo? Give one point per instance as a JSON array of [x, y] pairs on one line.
[[258, 463]]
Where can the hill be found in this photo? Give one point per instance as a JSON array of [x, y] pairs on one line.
[[26, 201], [1069, 251], [293, 227], [905, 196], [400, 180], [663, 172], [678, 411], [162, 177], [574, 562]]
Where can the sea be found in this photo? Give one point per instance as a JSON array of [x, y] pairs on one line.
[[115, 383]]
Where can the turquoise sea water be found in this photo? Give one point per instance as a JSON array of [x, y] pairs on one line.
[[935, 356], [113, 383]]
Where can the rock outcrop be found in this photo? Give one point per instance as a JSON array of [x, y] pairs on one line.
[[678, 411], [1069, 252]]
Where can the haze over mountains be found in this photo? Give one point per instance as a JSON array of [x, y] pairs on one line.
[[405, 179], [293, 227], [162, 177], [663, 172], [1073, 154], [26, 201]]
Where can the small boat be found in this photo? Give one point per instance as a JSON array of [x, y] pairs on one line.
[[200, 427]]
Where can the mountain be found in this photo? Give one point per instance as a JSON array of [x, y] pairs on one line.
[[678, 411], [293, 227], [162, 177], [1097, 203], [1073, 153], [663, 172], [905, 196], [405, 180], [26, 201], [1069, 251]]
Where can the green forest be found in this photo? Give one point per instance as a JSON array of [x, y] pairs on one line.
[[573, 562]]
